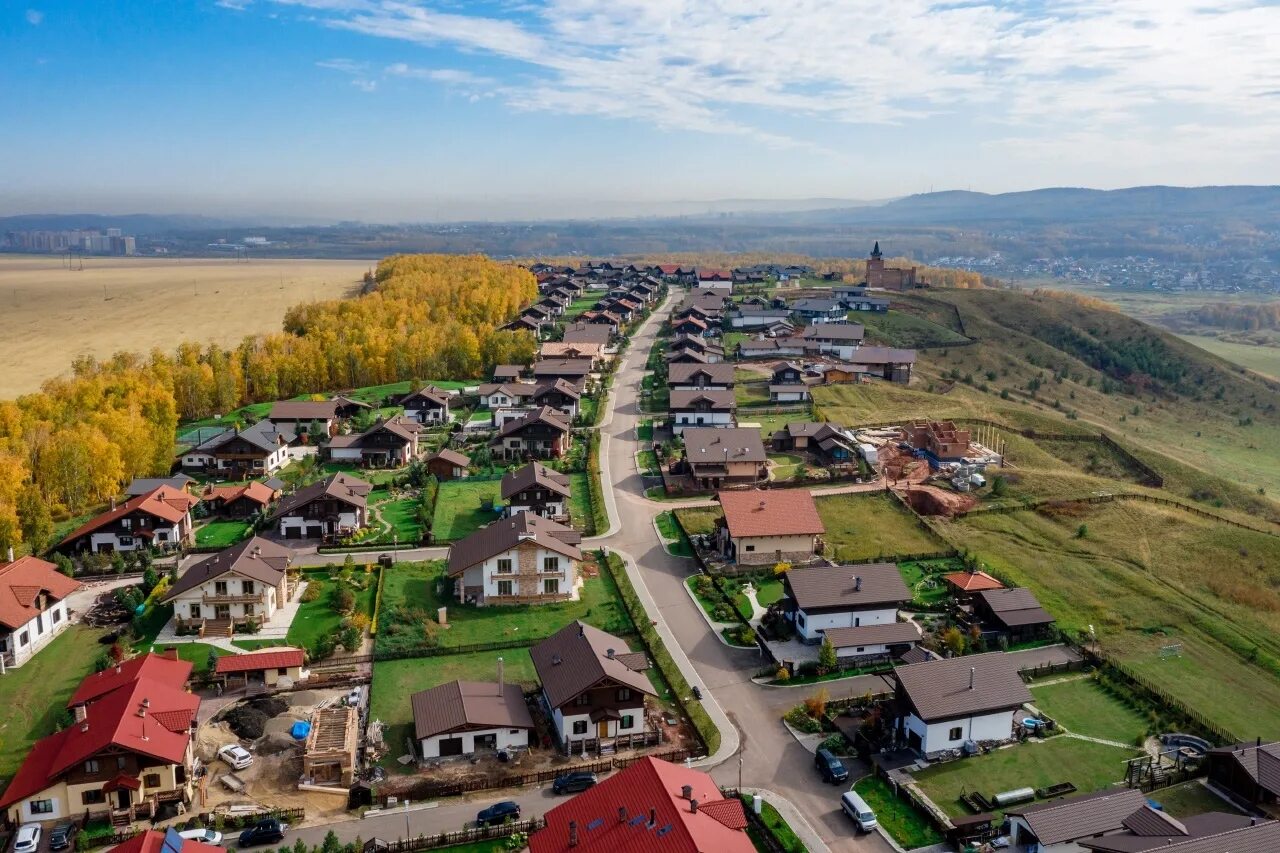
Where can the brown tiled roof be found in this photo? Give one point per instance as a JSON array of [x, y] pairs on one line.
[[303, 410], [534, 474], [707, 445], [255, 558], [831, 588], [1081, 817], [545, 414], [1149, 821], [779, 512], [562, 367], [576, 658], [21, 583], [1262, 838], [939, 689], [431, 394], [886, 633], [1015, 607], [343, 487], [717, 374], [502, 535], [560, 385], [685, 398], [1152, 830], [453, 457], [1260, 761], [460, 705]]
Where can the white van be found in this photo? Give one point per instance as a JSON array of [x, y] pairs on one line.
[[857, 808]]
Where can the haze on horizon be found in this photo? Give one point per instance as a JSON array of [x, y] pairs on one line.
[[410, 110]]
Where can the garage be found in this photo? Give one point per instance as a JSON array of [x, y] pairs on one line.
[[450, 746], [293, 532]]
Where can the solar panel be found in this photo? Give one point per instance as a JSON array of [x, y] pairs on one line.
[[172, 842], [639, 819], [664, 830], [595, 824]]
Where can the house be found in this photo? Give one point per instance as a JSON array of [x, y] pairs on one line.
[[888, 363], [715, 457], [716, 281], [827, 443], [881, 277], [885, 640], [819, 598], [142, 485], [603, 318], [237, 588], [819, 310], [964, 585], [305, 415], [392, 443], [690, 324], [758, 316], [941, 440], [236, 454], [334, 506], [332, 746], [769, 527], [586, 333], [593, 686], [1249, 771], [1012, 613], [840, 340], [711, 377], [707, 304], [276, 666], [1151, 829], [680, 344], [348, 407], [658, 806], [537, 489], [428, 405], [787, 373], [158, 519], [506, 394], [507, 372], [1057, 825], [523, 559], [943, 703], [689, 356], [788, 393], [465, 717], [127, 752], [575, 370], [239, 501], [784, 347], [551, 350], [855, 298], [446, 464], [698, 407], [541, 434], [33, 607], [524, 323], [559, 394]]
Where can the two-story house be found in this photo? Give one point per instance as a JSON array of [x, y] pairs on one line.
[[575, 370], [828, 443], [126, 753], [708, 377], [392, 443], [840, 340], [428, 405], [540, 434], [560, 394], [305, 416], [944, 703], [161, 519], [716, 456], [255, 451], [593, 686], [698, 408], [239, 501], [680, 345], [243, 584], [819, 311], [33, 607], [334, 506], [537, 489], [523, 559], [819, 598]]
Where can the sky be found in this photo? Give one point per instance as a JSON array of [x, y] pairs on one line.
[[430, 110]]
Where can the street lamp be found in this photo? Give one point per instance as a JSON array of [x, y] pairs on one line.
[[395, 543], [407, 833]]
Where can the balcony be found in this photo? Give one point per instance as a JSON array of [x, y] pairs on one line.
[[227, 598]]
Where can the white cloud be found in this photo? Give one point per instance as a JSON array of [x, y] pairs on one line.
[[1067, 69], [357, 71], [234, 5], [35, 17]]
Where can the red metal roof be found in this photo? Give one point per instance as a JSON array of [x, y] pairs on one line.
[[152, 841], [972, 581], [166, 670], [270, 659], [641, 809]]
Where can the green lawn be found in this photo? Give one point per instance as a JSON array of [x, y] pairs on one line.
[[458, 508], [647, 462], [195, 653], [401, 514], [677, 543], [786, 466], [782, 832], [375, 477], [34, 696], [751, 393], [1085, 708], [415, 592], [697, 520], [924, 579], [1035, 764], [898, 816], [1190, 798], [867, 526], [580, 515], [222, 533], [771, 423], [318, 618]]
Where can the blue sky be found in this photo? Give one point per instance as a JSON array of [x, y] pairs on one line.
[[427, 110]]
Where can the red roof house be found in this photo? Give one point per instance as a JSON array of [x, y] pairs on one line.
[[161, 517], [169, 841], [653, 805], [33, 607], [267, 666]]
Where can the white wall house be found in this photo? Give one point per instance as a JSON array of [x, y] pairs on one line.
[[821, 598], [34, 607], [701, 419], [471, 742], [501, 576], [462, 718], [947, 702], [241, 584], [519, 559], [811, 625], [579, 726]]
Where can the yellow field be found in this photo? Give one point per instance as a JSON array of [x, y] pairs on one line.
[[52, 314]]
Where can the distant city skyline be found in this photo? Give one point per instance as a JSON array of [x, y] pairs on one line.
[[408, 110]]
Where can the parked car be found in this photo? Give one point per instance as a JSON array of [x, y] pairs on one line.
[[62, 834], [831, 769], [573, 783], [266, 831], [857, 808], [353, 696], [499, 813], [208, 836], [28, 838], [235, 755]]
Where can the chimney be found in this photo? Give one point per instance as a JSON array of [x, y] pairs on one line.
[[608, 653], [1253, 821], [686, 792], [81, 714], [113, 502], [10, 553], [581, 633], [653, 817], [857, 583], [573, 833], [693, 807], [84, 726], [622, 814], [500, 678], [972, 674]]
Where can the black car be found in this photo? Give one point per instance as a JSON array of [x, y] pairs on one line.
[[573, 783], [832, 769], [499, 813], [268, 831], [62, 835]]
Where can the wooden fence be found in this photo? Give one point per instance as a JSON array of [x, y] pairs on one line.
[[449, 839]]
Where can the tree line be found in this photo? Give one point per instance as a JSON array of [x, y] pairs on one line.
[[76, 442]]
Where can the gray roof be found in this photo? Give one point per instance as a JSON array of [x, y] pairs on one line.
[[303, 410], [1015, 607], [817, 305], [685, 398], [563, 367], [834, 332], [586, 333], [146, 485], [451, 456], [255, 558], [545, 414], [577, 658], [1081, 817], [939, 690], [534, 474], [886, 633], [462, 705], [1260, 761], [1150, 830], [502, 535], [708, 445], [716, 374], [342, 487], [834, 588], [265, 435], [883, 355]]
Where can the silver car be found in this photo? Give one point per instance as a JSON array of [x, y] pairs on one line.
[[208, 836], [28, 838]]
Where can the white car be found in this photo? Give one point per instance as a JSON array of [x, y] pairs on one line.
[[353, 698], [208, 836], [28, 840], [235, 755], [857, 808]]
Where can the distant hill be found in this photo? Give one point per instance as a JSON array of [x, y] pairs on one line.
[[141, 223]]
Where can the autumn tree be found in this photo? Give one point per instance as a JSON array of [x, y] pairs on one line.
[[34, 518]]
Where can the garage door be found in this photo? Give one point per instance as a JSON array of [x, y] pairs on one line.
[[451, 746], [293, 532]]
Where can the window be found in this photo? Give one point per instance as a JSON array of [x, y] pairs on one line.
[[504, 566], [151, 780], [505, 587], [247, 586], [248, 610], [955, 734], [627, 721], [126, 523], [91, 766], [121, 761], [126, 541], [583, 699], [90, 798], [551, 564], [748, 548], [624, 693], [57, 616], [195, 611], [282, 671], [800, 618], [219, 587], [859, 649], [580, 727], [46, 806]]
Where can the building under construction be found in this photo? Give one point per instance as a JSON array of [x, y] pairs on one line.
[[330, 756]]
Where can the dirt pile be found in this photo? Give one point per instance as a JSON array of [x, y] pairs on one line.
[[930, 500]]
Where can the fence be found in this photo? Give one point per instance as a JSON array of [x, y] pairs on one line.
[[436, 651], [449, 839]]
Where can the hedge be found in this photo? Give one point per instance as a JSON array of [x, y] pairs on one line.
[[599, 516]]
